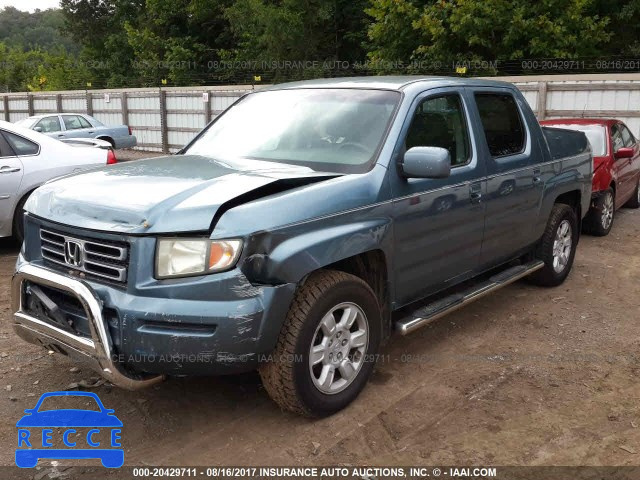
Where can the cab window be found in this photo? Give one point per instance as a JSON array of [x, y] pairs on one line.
[[440, 122], [48, 125], [616, 138], [627, 137], [502, 123], [75, 122]]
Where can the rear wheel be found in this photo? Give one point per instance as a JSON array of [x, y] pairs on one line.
[[634, 201], [327, 346], [600, 217], [557, 247]]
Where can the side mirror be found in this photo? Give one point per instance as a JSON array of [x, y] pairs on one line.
[[426, 162], [624, 152], [38, 129]]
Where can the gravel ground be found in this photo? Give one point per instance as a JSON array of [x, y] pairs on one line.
[[526, 376], [128, 155]]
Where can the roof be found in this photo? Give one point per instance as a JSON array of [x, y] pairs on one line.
[[388, 82], [580, 121], [42, 115]]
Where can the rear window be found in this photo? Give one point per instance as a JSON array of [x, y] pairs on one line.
[[502, 124], [596, 134]]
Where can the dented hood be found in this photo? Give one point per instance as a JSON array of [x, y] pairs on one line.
[[162, 195]]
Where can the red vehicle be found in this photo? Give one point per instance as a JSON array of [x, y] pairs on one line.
[[616, 168]]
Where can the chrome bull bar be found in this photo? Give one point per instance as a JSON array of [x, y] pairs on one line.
[[97, 351]]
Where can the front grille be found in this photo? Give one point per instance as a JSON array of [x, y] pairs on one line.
[[100, 259]]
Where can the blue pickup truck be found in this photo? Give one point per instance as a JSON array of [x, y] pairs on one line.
[[298, 230]]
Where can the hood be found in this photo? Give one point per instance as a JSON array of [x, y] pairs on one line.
[[163, 195]]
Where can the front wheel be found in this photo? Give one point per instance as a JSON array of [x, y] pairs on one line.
[[327, 347], [557, 248]]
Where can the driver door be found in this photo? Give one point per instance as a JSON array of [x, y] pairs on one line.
[[439, 223]]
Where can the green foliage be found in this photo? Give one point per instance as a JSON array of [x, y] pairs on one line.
[[473, 30], [127, 43]]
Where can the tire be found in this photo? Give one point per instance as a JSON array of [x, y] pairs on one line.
[[599, 220], [556, 271], [288, 375], [634, 201], [18, 220]]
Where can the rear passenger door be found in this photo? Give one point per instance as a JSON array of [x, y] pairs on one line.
[[514, 176], [438, 222]]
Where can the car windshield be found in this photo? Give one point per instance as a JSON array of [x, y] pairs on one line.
[[334, 130], [596, 134]]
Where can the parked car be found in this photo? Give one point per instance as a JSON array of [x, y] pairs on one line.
[[298, 230], [616, 159], [79, 125], [27, 160]]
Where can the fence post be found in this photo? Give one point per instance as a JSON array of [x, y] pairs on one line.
[[124, 103], [542, 100], [7, 115], [164, 131], [59, 103], [30, 104], [207, 108], [89, 103]]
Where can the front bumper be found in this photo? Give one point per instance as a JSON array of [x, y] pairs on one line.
[[96, 351], [134, 341]]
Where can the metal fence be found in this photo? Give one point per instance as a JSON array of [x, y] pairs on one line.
[[162, 119], [166, 119]]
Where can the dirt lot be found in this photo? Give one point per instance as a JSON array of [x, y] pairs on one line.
[[527, 376]]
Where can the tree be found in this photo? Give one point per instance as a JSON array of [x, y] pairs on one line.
[[471, 30]]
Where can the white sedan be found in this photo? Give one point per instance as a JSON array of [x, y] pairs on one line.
[[27, 160]]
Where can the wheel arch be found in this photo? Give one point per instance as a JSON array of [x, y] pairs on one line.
[[572, 198], [107, 138], [15, 206]]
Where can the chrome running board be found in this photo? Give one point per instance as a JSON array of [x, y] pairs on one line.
[[435, 310]]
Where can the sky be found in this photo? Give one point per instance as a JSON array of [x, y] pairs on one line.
[[30, 5]]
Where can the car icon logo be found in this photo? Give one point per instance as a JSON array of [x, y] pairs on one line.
[[73, 253], [82, 430]]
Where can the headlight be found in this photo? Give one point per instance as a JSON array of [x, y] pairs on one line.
[[178, 257]]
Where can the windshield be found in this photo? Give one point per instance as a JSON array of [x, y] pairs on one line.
[[335, 130], [596, 134]]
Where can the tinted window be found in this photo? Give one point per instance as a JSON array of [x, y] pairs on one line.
[[627, 136], [440, 122], [616, 138], [75, 122], [502, 124], [48, 125], [21, 145]]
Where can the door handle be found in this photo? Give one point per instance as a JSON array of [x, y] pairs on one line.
[[7, 169], [476, 197], [61, 135], [536, 176], [91, 133]]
